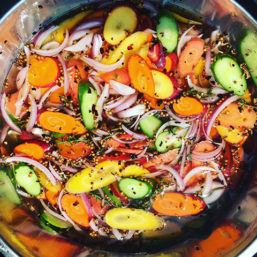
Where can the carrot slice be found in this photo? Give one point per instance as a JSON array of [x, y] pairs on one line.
[[58, 122], [43, 71], [119, 75], [55, 96], [141, 75], [74, 150], [188, 106], [190, 56], [52, 197], [31, 150], [176, 204], [79, 128], [75, 209], [80, 66], [11, 101]]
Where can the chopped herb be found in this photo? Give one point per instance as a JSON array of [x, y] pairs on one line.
[[116, 75], [209, 92], [70, 56], [189, 157], [57, 135]]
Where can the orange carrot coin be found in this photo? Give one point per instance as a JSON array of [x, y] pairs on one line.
[[188, 106]]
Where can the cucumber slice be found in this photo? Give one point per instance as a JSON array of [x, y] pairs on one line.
[[87, 101], [27, 179], [248, 49], [167, 31], [113, 198], [55, 221], [229, 74], [134, 188], [7, 189], [166, 141], [149, 125], [49, 229]]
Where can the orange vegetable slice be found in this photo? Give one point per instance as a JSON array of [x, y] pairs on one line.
[[188, 106], [11, 101], [119, 75], [75, 209], [55, 96], [43, 71], [31, 150]]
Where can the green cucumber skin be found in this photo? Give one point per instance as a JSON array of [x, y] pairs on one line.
[[7, 189], [55, 221], [149, 125], [164, 145], [87, 98], [167, 31], [113, 198], [123, 183], [248, 49], [43, 224], [224, 66], [27, 179]]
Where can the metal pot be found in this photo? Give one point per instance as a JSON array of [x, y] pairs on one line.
[[240, 206]]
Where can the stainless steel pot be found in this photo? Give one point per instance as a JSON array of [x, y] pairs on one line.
[[17, 27]]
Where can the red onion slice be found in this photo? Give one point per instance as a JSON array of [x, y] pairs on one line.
[[46, 95], [55, 174], [198, 89], [41, 37], [51, 45], [55, 51], [124, 141], [216, 193], [6, 117], [132, 112], [218, 110], [129, 234], [4, 133], [129, 102], [97, 44], [153, 174], [117, 102], [90, 24], [22, 96], [58, 216], [175, 174], [193, 172], [173, 124], [182, 165], [83, 45], [134, 134], [21, 77], [208, 61], [175, 117], [183, 40], [35, 164], [208, 185], [102, 67], [87, 204], [69, 111], [214, 35], [65, 74], [121, 88], [77, 35], [219, 172], [100, 132], [33, 114], [101, 100], [210, 99], [64, 167], [117, 234], [22, 193], [95, 85]]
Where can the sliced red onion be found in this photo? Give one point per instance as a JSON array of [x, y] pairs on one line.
[[117, 234], [208, 185], [58, 216], [193, 189], [93, 225], [198, 89], [33, 114], [208, 61], [217, 191], [64, 167], [6, 117], [27, 52], [97, 86], [217, 90], [41, 37], [218, 110], [22, 96], [65, 214], [134, 111], [55, 51], [4, 133], [128, 103], [22, 193], [109, 150], [153, 174], [210, 99], [102, 67], [142, 154], [77, 35], [179, 154], [134, 125], [175, 174], [111, 117], [90, 24], [100, 132], [219, 172], [53, 105], [175, 117], [21, 77], [117, 102], [46, 95], [198, 133], [124, 141], [214, 35], [160, 64], [183, 40], [121, 88], [193, 172], [69, 111], [134, 134], [65, 74], [97, 44], [36, 93], [35, 164], [87, 204], [100, 103], [182, 165], [216, 48], [83, 45], [55, 174], [51, 45], [129, 234], [173, 124]]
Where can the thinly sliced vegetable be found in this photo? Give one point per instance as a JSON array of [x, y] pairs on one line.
[[188, 106], [167, 31], [135, 188], [55, 97], [150, 125], [190, 56], [229, 74], [114, 199], [132, 112], [82, 45], [27, 179], [121, 88], [177, 204], [119, 75], [54, 221], [132, 219], [52, 230], [75, 209], [166, 141], [140, 75], [31, 150]]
